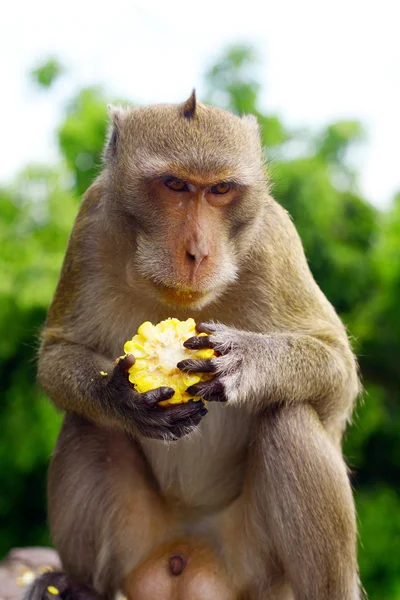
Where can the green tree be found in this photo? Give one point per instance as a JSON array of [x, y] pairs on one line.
[[35, 219], [47, 73], [82, 134]]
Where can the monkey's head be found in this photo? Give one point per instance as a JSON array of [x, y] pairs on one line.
[[185, 185]]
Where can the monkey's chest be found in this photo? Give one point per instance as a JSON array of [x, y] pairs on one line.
[[206, 468]]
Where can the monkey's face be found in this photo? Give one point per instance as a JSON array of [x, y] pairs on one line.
[[189, 190], [189, 256]]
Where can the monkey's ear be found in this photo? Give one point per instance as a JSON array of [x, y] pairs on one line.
[[252, 124], [189, 107], [117, 115]]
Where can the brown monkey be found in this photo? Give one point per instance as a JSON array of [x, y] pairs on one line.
[[251, 500]]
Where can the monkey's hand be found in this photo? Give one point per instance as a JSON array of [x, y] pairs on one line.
[[231, 347], [256, 368], [141, 411]]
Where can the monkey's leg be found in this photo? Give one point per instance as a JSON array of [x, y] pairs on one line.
[[300, 500], [104, 509]]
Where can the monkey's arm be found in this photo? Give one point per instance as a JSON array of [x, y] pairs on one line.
[[281, 367]]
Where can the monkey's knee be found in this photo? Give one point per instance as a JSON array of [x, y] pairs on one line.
[[292, 449], [180, 571], [303, 473]]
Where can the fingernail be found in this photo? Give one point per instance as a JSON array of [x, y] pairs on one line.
[[205, 327], [126, 362]]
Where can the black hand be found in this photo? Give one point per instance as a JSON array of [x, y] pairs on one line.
[[143, 411]]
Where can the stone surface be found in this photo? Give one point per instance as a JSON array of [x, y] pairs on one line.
[[20, 568]]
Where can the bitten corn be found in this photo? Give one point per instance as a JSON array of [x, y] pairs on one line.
[[157, 350]]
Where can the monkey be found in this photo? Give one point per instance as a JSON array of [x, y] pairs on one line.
[[245, 496]]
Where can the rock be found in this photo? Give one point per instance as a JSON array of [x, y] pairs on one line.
[[20, 568]]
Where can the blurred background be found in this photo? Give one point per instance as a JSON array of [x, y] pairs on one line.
[[323, 80]]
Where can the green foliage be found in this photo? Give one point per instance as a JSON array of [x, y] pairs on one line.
[[232, 83], [337, 228], [379, 531], [335, 140], [35, 219], [82, 135], [353, 251], [46, 74], [379, 320]]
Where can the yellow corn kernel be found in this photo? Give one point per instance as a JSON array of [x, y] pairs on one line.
[[53, 590], [157, 350]]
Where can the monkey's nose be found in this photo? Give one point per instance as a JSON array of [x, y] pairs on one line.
[[197, 256]]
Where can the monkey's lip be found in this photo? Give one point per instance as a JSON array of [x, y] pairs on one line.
[[181, 296]]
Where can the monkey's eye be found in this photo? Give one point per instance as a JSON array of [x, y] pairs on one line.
[[221, 188], [177, 185]]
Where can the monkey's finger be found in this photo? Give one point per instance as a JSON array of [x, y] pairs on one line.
[[206, 328], [213, 390], [213, 386], [206, 365], [174, 414], [119, 376], [199, 342], [126, 362], [152, 397]]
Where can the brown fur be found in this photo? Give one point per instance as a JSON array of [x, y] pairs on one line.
[[189, 108], [260, 483]]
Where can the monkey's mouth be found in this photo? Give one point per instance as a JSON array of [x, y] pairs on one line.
[[182, 296]]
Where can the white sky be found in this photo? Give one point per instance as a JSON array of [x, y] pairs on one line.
[[323, 60]]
